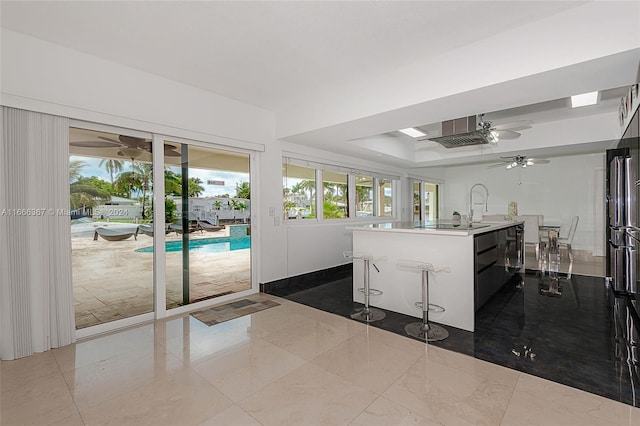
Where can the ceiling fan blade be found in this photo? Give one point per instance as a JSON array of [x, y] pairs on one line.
[[506, 134], [171, 153], [133, 142], [513, 125], [514, 129], [94, 144], [539, 160], [493, 166], [110, 140]]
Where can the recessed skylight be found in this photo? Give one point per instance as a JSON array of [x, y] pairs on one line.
[[584, 99], [414, 133]]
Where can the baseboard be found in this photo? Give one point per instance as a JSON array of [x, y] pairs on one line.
[[290, 285]]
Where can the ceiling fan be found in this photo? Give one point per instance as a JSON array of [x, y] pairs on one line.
[[128, 146], [473, 130], [519, 161], [504, 131]]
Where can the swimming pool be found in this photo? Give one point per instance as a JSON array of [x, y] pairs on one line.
[[206, 245]]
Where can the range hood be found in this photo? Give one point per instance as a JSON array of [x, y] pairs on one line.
[[464, 132]]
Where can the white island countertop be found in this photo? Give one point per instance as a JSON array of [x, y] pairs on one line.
[[438, 227], [439, 243]]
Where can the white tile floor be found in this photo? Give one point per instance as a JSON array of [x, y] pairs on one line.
[[287, 365]]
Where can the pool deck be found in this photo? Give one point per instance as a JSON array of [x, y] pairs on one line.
[[112, 281]]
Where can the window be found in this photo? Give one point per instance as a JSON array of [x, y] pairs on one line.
[[335, 204], [342, 192], [298, 191], [364, 196], [385, 197]]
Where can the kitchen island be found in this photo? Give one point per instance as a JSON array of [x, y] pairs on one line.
[[481, 257]]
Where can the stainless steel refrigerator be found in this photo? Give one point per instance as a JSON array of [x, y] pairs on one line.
[[623, 228], [623, 256]]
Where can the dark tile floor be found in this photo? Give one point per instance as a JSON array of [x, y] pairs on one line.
[[569, 339]]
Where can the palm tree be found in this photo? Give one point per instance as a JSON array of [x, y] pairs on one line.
[[126, 183], [112, 166], [144, 179], [172, 183], [195, 187], [243, 190], [75, 167], [305, 185], [82, 194]]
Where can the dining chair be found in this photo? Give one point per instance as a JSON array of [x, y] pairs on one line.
[[566, 242], [531, 231]]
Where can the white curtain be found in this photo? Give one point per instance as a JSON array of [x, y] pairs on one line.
[[36, 292]]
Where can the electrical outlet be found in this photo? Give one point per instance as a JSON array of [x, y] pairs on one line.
[[272, 211]]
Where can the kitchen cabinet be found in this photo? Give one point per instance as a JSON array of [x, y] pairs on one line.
[[497, 257]]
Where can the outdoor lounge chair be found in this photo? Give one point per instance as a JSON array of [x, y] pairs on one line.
[[146, 229], [178, 229], [209, 227], [115, 234]]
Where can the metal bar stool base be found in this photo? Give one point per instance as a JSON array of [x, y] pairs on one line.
[[368, 315], [427, 333]]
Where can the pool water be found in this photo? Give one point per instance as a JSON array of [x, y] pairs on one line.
[[206, 245]]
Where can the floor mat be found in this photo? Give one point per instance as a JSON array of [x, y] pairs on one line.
[[232, 310]]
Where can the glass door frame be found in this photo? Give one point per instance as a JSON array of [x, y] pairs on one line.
[[422, 183], [136, 319], [159, 276], [159, 262]]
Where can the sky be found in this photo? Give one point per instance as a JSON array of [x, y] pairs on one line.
[[230, 179]]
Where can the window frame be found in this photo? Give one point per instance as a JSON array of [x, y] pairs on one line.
[[351, 174]]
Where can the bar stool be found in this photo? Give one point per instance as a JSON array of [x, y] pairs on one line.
[[423, 330], [366, 314]]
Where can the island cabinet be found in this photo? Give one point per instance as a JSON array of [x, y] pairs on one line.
[[471, 263], [497, 258]]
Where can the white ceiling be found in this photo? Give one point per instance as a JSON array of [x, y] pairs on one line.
[[310, 61]]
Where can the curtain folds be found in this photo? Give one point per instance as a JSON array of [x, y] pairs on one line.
[[36, 291]]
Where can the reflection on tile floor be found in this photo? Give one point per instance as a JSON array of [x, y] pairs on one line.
[[286, 365], [567, 339], [112, 281]]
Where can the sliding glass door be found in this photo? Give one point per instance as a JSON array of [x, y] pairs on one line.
[[199, 249], [111, 188], [425, 200], [208, 227]]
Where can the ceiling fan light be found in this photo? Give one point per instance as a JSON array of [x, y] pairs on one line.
[[493, 136], [131, 152], [529, 163], [413, 132]]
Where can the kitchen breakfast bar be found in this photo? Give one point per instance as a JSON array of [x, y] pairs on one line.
[[470, 263]]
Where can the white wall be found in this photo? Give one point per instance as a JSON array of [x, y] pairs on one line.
[[566, 187], [57, 80], [44, 77]]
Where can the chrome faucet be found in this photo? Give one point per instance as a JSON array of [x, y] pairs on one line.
[[486, 201]]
